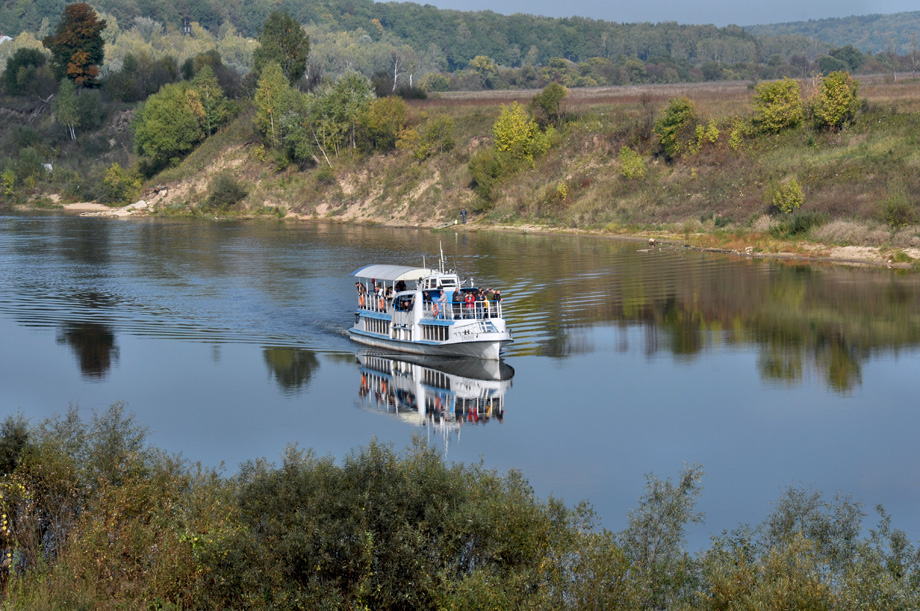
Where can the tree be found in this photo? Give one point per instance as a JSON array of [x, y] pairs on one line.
[[778, 106], [546, 105], [850, 55], [674, 127], [517, 134], [169, 124], [282, 40], [65, 108], [384, 119], [486, 68], [26, 73], [213, 101], [654, 539], [77, 48], [835, 102], [338, 108], [272, 95]]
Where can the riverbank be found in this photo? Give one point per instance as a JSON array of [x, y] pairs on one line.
[[860, 186], [800, 251]]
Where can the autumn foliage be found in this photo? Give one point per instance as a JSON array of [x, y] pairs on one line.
[[77, 48]]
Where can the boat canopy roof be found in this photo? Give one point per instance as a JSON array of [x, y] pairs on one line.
[[392, 273]]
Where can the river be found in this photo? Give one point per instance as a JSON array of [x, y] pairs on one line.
[[227, 340]]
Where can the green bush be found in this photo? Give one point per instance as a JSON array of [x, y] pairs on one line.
[[631, 163], [120, 186], [488, 168], [898, 211], [224, 192], [786, 197], [675, 129], [836, 102], [98, 519], [778, 106], [798, 223]]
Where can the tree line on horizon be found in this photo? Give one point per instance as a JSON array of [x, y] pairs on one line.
[[452, 49]]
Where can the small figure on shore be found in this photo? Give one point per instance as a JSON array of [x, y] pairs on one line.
[[463, 215]]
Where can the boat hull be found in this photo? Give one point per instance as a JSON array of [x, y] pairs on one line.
[[485, 349]]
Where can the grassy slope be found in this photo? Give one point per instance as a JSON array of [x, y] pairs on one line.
[[715, 197]]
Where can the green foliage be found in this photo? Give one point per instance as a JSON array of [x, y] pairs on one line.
[[224, 192], [77, 48], [14, 435], [487, 168], [435, 81], [786, 197], [828, 65], [798, 223], [273, 99], [65, 107], [778, 106], [214, 103], [99, 519], [120, 186], [26, 73], [30, 166], [486, 68], [169, 124], [631, 164], [282, 41], [141, 76], [518, 135], [675, 128], [836, 102], [852, 57], [435, 137], [654, 539], [8, 177], [898, 211], [383, 120], [546, 105]]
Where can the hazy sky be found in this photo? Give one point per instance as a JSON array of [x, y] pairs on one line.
[[719, 12]]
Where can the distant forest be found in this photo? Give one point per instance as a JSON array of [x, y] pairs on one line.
[[898, 33], [423, 47]]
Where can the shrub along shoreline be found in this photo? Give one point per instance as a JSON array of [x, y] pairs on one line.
[[95, 517]]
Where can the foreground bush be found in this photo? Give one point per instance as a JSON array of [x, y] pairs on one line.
[[98, 519]]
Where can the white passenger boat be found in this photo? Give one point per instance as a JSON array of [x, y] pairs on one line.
[[425, 311]]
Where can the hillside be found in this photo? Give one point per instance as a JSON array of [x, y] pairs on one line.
[[860, 185], [876, 34]]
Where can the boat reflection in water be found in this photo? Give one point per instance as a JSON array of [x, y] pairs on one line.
[[441, 393]]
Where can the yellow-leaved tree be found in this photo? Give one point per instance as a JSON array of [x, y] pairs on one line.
[[778, 106], [835, 104], [518, 135]]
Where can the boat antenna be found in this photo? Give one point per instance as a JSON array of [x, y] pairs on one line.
[[441, 247]]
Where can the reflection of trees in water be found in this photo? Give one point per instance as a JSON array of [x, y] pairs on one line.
[[292, 368], [801, 317], [94, 346]]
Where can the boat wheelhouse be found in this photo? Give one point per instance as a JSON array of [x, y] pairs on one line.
[[437, 316]]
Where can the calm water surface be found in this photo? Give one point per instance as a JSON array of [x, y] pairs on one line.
[[227, 340]]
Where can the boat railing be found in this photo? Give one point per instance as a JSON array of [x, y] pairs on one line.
[[475, 310], [373, 303]]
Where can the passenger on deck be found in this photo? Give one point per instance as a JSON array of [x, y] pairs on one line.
[[442, 305], [458, 306]]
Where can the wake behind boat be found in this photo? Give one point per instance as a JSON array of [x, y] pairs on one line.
[[438, 316]]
